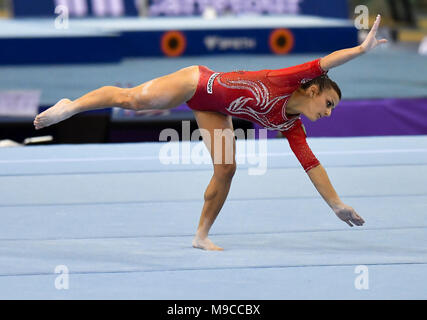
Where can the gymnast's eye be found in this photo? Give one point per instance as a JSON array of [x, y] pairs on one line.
[[329, 104]]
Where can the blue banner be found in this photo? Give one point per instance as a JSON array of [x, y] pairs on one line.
[[324, 8], [77, 8], [120, 8]]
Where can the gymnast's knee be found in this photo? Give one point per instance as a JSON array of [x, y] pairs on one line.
[[225, 172], [135, 99], [125, 98]]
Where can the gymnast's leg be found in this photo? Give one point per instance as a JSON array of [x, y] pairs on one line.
[[220, 128], [161, 93]]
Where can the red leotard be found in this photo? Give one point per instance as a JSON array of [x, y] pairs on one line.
[[261, 97]]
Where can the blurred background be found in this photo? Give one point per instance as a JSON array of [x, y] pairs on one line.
[[54, 49]]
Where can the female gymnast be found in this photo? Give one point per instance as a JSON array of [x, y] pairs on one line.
[[273, 98]]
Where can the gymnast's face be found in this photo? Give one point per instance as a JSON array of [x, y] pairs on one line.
[[321, 104]]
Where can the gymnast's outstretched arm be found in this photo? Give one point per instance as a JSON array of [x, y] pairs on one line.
[[321, 181], [318, 176], [340, 57]]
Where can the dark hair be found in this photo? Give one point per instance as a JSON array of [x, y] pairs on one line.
[[323, 82]]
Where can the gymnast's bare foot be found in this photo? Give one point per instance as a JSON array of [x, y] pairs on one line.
[[53, 115], [205, 244]]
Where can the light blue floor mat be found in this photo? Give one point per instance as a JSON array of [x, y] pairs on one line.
[[122, 222]]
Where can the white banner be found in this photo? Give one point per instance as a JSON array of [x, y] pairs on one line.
[[19, 103]]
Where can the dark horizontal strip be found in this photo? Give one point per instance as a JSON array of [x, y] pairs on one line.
[[218, 268], [219, 234], [201, 169], [201, 200]]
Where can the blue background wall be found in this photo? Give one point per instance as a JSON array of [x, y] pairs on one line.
[[326, 8]]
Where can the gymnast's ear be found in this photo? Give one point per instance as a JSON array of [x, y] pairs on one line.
[[312, 91]]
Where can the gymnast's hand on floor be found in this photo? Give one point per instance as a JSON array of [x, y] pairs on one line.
[[348, 215], [371, 42]]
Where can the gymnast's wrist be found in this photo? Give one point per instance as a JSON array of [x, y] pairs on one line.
[[335, 204]]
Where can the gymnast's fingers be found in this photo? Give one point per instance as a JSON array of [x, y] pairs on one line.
[[348, 222], [356, 219], [376, 24]]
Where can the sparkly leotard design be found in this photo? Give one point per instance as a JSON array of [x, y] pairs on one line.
[[261, 97]]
